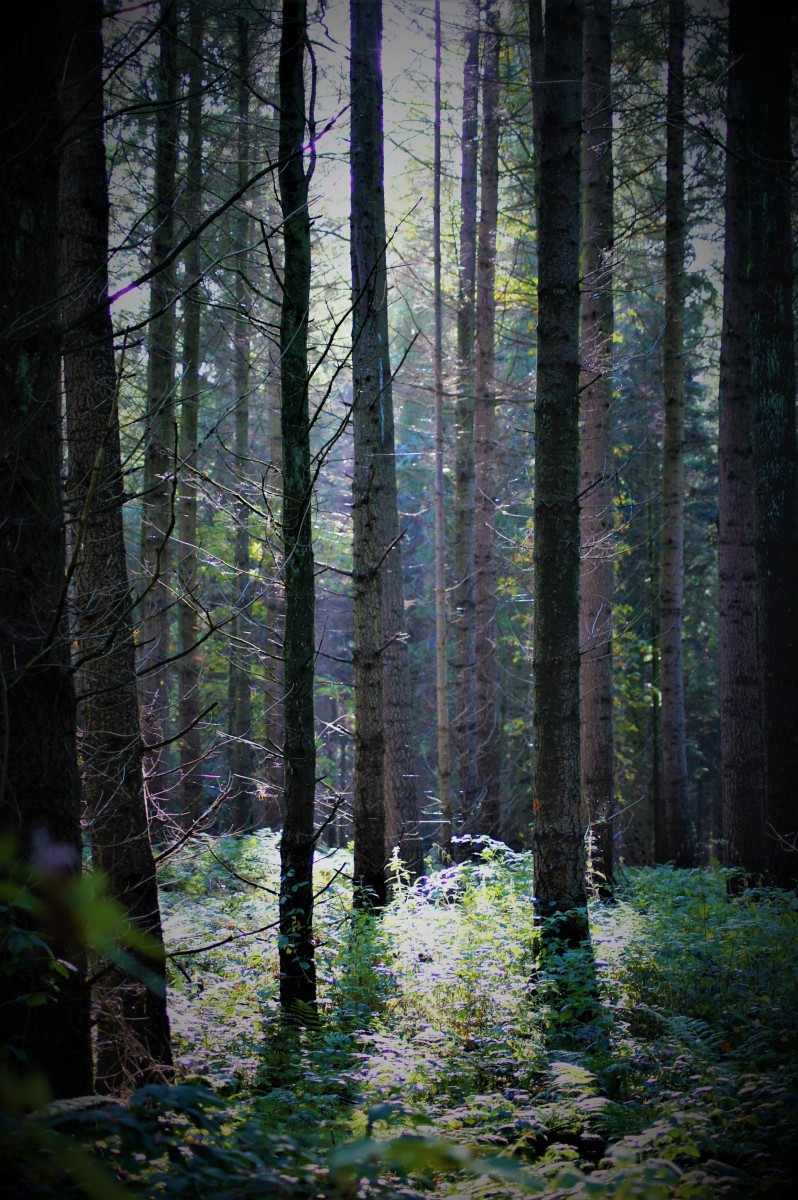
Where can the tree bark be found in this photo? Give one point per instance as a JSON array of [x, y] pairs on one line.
[[596, 478], [558, 833], [488, 818], [158, 502], [672, 828], [297, 952], [39, 782], [133, 1045], [384, 771], [463, 619], [774, 438], [189, 667], [370, 376], [742, 745], [653, 527]]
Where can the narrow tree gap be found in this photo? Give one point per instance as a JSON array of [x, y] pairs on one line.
[[672, 826], [186, 557], [487, 819], [160, 432], [441, 615], [243, 759], [463, 615], [596, 486]]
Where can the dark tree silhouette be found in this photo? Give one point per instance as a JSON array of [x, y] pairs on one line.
[[297, 954], [39, 782], [558, 832]]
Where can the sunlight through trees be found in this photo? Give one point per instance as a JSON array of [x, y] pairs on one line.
[[398, 572]]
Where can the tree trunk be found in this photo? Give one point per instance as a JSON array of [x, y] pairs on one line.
[[297, 953], [675, 844], [243, 756], [653, 818], [369, 379], [441, 671], [742, 746], [487, 682], [463, 621], [39, 783], [558, 833], [774, 438], [191, 789], [133, 1045], [596, 482], [384, 772], [158, 503]]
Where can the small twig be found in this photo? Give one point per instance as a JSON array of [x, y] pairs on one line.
[[193, 827], [150, 746], [261, 887], [233, 937]]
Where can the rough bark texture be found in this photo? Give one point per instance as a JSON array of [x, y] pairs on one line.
[[39, 783], [742, 746], [133, 1045], [558, 833], [189, 667], [370, 376], [441, 619], [384, 774], [774, 439], [247, 809], [463, 621], [672, 828], [488, 719], [652, 802], [297, 961], [596, 486], [158, 504]]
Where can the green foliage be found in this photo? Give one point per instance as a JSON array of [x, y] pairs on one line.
[[702, 953], [456, 1053], [362, 983], [448, 1044], [39, 1160], [166, 1141], [39, 906]]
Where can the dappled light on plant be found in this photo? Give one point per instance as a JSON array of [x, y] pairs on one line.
[[445, 1034], [445, 1060]]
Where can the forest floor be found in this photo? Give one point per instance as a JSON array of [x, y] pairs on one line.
[[450, 1060]]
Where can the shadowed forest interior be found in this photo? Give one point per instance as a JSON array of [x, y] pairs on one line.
[[399, 619]]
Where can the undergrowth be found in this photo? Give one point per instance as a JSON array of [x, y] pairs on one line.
[[450, 1060]]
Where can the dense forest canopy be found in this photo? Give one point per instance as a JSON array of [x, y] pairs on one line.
[[399, 570]]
